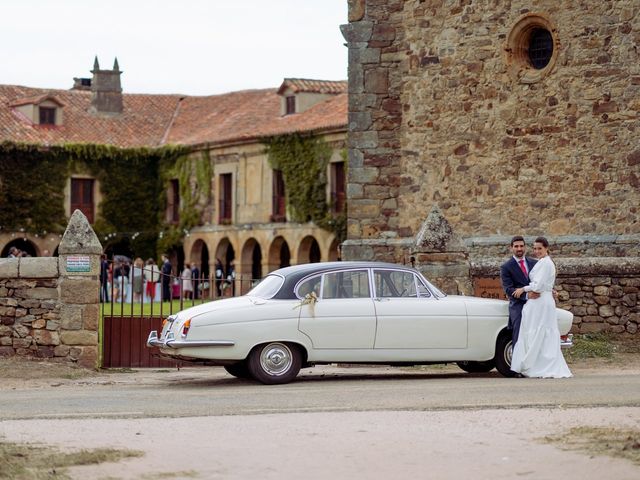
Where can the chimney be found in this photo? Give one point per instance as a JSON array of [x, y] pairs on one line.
[[81, 83], [106, 92]]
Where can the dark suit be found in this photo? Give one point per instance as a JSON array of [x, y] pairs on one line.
[[166, 281], [512, 278]]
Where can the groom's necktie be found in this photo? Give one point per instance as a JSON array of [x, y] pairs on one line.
[[523, 268]]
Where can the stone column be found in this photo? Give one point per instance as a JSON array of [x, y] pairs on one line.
[[441, 256], [79, 284]]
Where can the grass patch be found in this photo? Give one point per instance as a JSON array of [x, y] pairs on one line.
[[591, 345], [35, 462], [155, 309], [609, 441]]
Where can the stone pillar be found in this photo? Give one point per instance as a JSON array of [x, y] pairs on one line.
[[441, 256], [79, 284], [375, 116]]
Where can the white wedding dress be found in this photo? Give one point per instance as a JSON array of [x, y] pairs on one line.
[[537, 352]]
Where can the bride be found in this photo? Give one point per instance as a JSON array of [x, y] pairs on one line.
[[537, 352]]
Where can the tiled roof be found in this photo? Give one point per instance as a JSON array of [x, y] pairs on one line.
[[36, 100], [249, 115], [154, 120], [142, 123], [313, 86]]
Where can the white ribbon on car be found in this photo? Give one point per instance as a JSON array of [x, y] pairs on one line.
[[309, 299]]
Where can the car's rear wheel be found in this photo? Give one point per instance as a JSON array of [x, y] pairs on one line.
[[238, 370], [274, 363], [504, 350], [477, 367]]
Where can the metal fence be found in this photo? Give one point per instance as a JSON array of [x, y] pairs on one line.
[[137, 301], [137, 293]]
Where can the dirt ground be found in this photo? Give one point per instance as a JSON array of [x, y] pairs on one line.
[[496, 443], [479, 444]]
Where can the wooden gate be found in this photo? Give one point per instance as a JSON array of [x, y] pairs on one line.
[[124, 343]]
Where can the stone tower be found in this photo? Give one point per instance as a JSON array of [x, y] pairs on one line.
[[106, 91], [496, 118]]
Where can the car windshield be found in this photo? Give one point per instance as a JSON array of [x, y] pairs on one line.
[[267, 287]]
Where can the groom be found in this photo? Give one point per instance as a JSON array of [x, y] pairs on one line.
[[514, 273]]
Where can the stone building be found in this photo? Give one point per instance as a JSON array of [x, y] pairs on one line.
[[471, 121], [235, 202]]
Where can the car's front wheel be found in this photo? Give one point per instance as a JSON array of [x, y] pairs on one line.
[[238, 370], [504, 350], [274, 363], [477, 367]]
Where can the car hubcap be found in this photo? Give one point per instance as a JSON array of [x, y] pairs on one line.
[[508, 353], [275, 359]]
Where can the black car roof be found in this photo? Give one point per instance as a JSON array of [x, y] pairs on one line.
[[292, 275]]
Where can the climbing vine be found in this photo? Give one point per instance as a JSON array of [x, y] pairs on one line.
[[130, 180], [303, 160], [193, 173], [32, 183]]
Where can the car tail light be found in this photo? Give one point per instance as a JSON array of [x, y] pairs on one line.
[[164, 322], [185, 327]]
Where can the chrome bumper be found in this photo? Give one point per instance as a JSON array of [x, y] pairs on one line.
[[170, 341], [568, 342]]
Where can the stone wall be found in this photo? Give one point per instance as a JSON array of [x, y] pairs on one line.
[[49, 306], [602, 293], [436, 117], [440, 118]]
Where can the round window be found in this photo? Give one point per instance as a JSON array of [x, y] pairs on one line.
[[531, 48], [540, 48]]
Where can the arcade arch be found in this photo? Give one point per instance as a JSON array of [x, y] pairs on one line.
[[309, 250], [22, 244], [279, 254], [200, 256], [334, 251], [251, 258]]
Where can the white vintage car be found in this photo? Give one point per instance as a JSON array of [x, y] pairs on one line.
[[348, 312]]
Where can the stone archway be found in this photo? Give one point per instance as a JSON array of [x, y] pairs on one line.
[[227, 255], [200, 257], [309, 250], [334, 251], [22, 244], [199, 260], [279, 254], [251, 264]]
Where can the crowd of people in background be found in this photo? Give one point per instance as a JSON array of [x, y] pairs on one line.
[[140, 278], [15, 252]]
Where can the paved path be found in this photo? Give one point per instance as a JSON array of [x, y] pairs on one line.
[[210, 391], [374, 423]]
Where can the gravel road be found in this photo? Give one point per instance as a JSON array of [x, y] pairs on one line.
[[333, 423]]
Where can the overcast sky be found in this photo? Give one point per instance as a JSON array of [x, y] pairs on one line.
[[196, 47]]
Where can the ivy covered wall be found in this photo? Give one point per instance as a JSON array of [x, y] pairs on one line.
[[193, 172], [303, 160], [33, 179], [131, 213]]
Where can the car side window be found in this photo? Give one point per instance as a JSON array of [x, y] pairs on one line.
[[310, 285], [423, 291], [395, 284], [350, 284]]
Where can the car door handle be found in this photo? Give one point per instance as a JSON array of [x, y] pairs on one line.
[[382, 299]]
